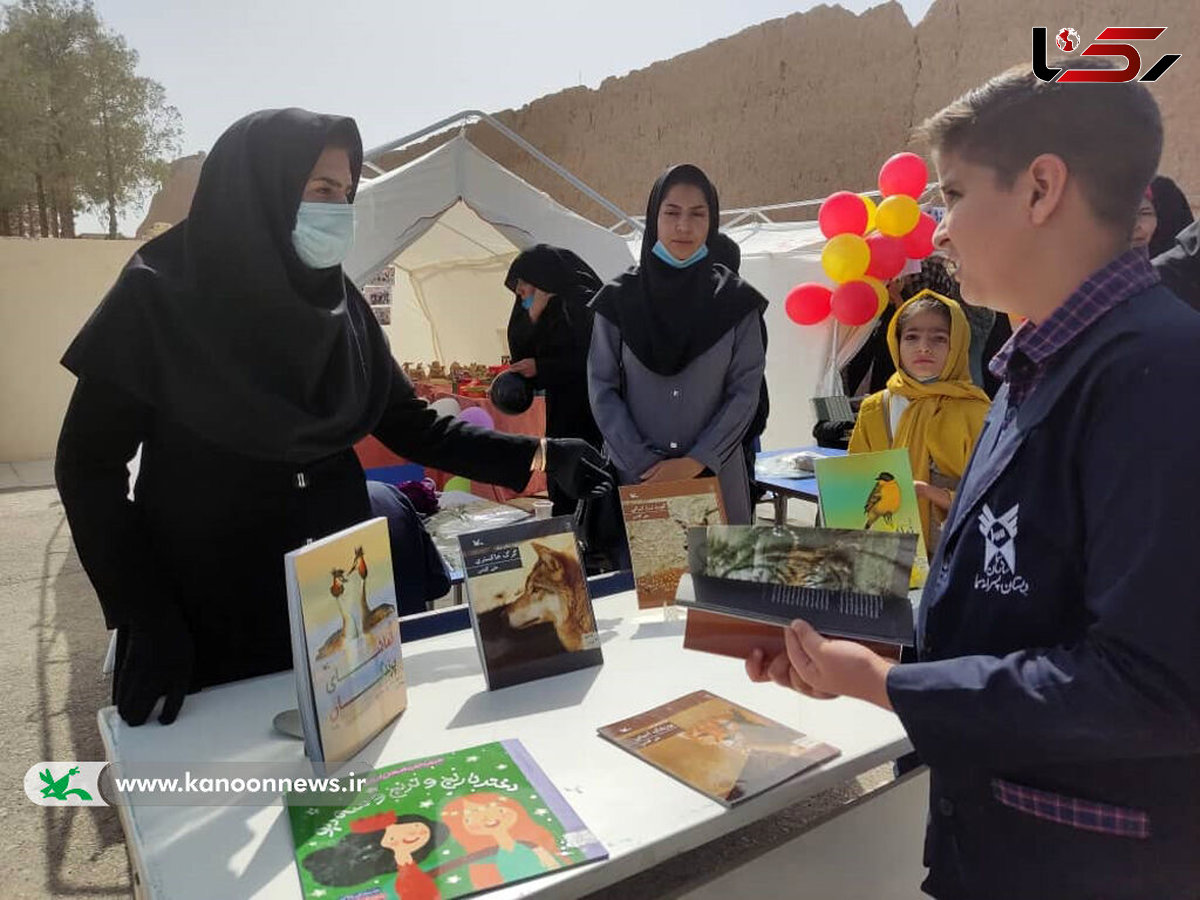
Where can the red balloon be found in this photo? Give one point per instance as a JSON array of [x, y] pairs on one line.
[[855, 303], [904, 173], [887, 256], [808, 304], [842, 213], [918, 243]]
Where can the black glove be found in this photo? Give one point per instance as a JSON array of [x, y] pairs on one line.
[[157, 660], [577, 468]]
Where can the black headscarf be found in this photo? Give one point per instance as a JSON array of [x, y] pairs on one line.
[[670, 316], [554, 270], [726, 251], [558, 272], [220, 327], [1173, 211]]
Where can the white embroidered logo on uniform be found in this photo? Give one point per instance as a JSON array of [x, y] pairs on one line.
[[1000, 553]]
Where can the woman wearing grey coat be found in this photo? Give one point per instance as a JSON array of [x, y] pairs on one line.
[[676, 360]]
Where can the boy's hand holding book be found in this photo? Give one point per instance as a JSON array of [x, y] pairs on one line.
[[824, 668]]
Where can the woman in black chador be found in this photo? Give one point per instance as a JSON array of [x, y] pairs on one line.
[[235, 351]]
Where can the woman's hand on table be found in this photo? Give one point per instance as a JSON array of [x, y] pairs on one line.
[[673, 470], [577, 468], [824, 668]]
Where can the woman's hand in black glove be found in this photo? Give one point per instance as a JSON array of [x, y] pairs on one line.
[[577, 468], [157, 661]]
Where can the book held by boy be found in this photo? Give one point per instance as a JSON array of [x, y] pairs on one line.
[[873, 492], [345, 640], [657, 519], [717, 747], [844, 583], [450, 825], [529, 601]]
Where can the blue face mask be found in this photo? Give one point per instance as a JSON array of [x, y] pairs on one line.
[[324, 233], [664, 254], [527, 302]]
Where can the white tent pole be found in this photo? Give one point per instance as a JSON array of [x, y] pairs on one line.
[[373, 154]]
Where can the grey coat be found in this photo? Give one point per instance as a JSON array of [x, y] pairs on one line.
[[703, 412]]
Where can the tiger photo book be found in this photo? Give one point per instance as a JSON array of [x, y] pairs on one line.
[[851, 584], [657, 519], [529, 601], [719, 748], [345, 640]]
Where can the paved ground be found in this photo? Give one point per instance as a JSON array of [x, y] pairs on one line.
[[51, 653]]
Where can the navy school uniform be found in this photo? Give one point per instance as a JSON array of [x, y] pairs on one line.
[[1057, 700]]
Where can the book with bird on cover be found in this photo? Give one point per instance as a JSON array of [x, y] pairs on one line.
[[721, 749], [844, 583], [657, 519], [451, 825], [345, 640], [529, 601], [873, 492]]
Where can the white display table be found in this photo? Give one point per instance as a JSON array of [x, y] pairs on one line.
[[641, 815]]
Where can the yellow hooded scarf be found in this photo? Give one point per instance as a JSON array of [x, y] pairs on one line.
[[943, 418]]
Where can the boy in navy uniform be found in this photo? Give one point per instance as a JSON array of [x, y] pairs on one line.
[[1056, 699]]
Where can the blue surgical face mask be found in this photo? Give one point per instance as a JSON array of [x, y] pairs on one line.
[[664, 254], [527, 302], [324, 233]]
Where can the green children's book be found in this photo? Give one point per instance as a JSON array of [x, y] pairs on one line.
[[447, 826], [873, 492]]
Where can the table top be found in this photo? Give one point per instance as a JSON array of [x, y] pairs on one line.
[[641, 815], [801, 487]]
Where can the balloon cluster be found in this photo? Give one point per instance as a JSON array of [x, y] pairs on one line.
[[867, 246]]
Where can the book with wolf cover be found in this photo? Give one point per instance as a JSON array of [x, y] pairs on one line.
[[717, 747], [844, 583], [529, 601], [345, 640], [873, 492], [657, 519], [451, 825]]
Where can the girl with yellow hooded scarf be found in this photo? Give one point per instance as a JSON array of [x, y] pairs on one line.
[[930, 406]]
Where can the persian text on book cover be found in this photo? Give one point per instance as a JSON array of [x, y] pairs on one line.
[[448, 826], [657, 517], [529, 595], [348, 597], [873, 492], [718, 747]]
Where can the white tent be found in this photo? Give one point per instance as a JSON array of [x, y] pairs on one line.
[[451, 222]]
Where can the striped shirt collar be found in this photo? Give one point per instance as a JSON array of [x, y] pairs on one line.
[[1022, 359]]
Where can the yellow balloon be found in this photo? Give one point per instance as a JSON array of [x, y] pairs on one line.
[[881, 292], [845, 257], [871, 210], [897, 215]]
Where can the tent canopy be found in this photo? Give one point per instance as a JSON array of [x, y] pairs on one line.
[[451, 222]]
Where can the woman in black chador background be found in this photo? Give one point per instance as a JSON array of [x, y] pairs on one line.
[[549, 332]]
